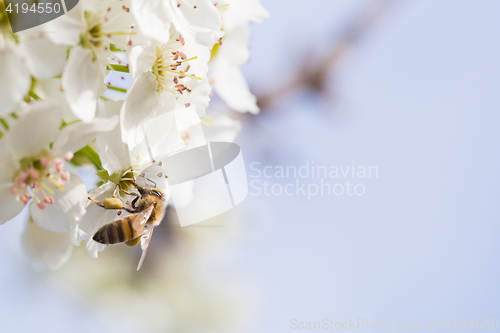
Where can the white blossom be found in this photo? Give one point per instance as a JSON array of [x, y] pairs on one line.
[[52, 84], [22, 56], [121, 165], [46, 249], [168, 77], [196, 20], [227, 79], [32, 167], [92, 27], [15, 80]]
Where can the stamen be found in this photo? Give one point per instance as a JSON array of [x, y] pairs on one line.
[[65, 175], [46, 187], [182, 74], [204, 123]]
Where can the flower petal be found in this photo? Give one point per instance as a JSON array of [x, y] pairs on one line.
[[152, 19], [196, 20], [113, 152], [234, 49], [46, 249], [52, 89], [81, 81], [231, 86], [141, 60], [163, 137], [139, 106], [222, 129], [9, 206], [43, 58], [35, 130], [76, 136], [68, 207], [201, 24], [95, 217], [229, 82], [66, 29], [89, 221], [241, 12], [15, 81]]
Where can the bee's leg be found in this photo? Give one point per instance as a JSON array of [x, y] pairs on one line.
[[134, 202], [127, 192], [130, 193], [100, 204], [133, 183]]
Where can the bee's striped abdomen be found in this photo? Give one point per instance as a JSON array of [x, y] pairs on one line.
[[118, 231]]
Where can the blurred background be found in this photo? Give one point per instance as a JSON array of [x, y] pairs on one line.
[[408, 87]]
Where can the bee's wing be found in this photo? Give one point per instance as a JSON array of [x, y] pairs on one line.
[[142, 217], [145, 239]]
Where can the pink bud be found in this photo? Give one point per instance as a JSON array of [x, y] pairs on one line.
[[41, 205], [49, 200], [68, 155]]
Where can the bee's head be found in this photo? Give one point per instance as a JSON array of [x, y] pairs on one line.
[[150, 191], [156, 192]]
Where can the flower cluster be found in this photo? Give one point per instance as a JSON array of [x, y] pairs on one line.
[[115, 85]]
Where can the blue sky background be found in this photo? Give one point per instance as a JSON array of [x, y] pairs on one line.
[[419, 99]]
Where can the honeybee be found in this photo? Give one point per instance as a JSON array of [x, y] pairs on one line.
[[148, 209]]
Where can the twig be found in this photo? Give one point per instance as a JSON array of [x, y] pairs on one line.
[[315, 76]]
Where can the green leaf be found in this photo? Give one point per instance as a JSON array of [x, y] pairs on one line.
[[4, 123], [114, 178], [117, 89], [87, 155], [113, 48], [118, 68]]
